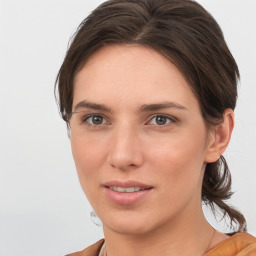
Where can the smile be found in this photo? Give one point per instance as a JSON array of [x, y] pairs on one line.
[[126, 190]]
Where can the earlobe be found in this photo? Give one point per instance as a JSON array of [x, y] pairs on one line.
[[220, 137]]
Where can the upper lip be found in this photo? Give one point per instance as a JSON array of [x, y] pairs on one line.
[[126, 184]]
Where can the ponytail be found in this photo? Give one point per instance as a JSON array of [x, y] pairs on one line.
[[217, 189]]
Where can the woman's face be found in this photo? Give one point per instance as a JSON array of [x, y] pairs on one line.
[[138, 139]]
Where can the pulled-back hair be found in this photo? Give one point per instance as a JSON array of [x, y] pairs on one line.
[[185, 33]]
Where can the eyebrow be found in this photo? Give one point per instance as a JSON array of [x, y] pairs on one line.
[[143, 108], [91, 105], [158, 106]]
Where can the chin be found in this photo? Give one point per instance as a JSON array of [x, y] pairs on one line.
[[131, 223], [128, 228]]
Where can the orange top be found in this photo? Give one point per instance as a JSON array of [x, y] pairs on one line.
[[92, 250], [240, 244]]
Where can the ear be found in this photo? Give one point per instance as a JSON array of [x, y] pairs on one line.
[[220, 137]]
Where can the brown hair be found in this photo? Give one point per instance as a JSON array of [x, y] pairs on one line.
[[188, 35]]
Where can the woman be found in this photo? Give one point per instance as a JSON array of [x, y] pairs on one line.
[[148, 89]]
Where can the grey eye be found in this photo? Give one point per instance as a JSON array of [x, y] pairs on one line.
[[161, 120], [95, 120]]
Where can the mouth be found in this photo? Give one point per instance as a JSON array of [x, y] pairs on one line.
[[127, 189], [127, 193]]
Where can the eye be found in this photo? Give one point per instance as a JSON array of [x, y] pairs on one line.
[[161, 120], [95, 120]]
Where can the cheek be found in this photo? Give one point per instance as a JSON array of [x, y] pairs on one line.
[[180, 161], [89, 157], [87, 151], [177, 149]]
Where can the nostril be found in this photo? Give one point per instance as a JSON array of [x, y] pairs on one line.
[[124, 151]]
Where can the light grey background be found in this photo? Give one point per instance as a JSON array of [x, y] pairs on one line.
[[42, 208]]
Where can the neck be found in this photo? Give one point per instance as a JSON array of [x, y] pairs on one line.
[[185, 236]]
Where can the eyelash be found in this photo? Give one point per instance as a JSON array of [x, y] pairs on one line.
[[170, 119], [86, 118]]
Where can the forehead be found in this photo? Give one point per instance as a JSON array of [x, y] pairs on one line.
[[130, 73]]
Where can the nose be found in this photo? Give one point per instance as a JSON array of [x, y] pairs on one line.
[[125, 149]]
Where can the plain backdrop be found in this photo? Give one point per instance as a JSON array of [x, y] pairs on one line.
[[43, 211]]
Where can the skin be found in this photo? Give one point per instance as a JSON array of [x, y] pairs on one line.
[[129, 144]]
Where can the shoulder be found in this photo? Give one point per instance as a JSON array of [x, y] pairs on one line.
[[92, 250], [242, 244]]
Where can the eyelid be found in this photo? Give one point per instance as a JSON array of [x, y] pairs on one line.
[[86, 117], [171, 118]]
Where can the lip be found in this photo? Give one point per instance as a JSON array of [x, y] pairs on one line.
[[125, 198], [126, 184]]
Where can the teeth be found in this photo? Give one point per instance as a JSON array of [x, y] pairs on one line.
[[126, 190]]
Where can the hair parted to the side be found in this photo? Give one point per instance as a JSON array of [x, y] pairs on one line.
[[185, 33]]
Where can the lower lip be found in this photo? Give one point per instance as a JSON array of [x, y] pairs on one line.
[[126, 198]]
